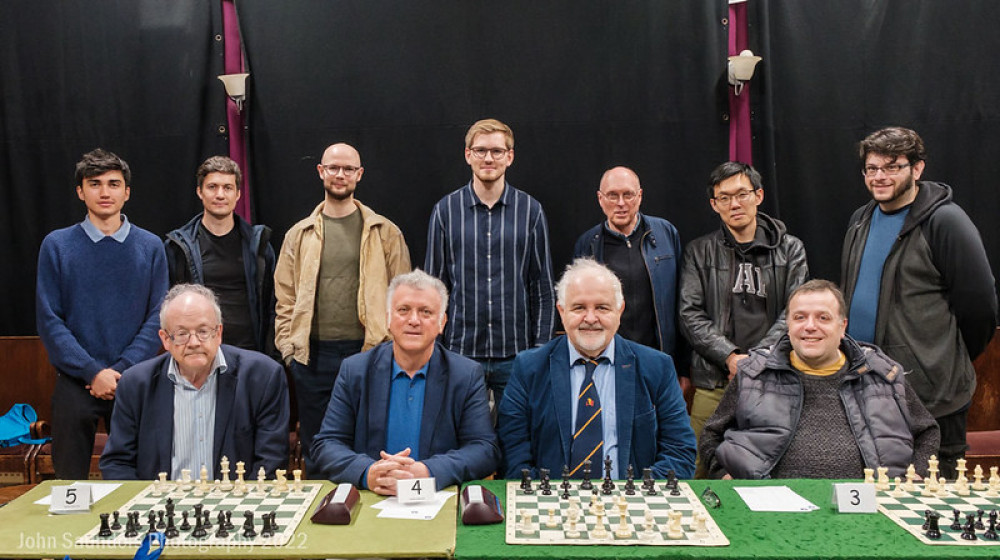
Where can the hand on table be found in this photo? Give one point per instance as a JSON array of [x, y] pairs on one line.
[[384, 473]]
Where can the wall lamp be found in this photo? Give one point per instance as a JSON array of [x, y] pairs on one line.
[[236, 87], [741, 69]]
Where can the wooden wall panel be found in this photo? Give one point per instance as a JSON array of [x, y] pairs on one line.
[[984, 414], [27, 375]]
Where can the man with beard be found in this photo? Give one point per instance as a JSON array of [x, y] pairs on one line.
[[330, 284], [917, 281], [592, 395]]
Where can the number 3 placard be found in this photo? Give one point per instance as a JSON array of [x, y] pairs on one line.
[[854, 497], [415, 490]]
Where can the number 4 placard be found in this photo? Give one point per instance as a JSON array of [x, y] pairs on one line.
[[854, 497], [415, 490], [70, 499]]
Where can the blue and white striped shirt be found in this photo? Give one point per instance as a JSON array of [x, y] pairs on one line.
[[194, 420], [496, 265]]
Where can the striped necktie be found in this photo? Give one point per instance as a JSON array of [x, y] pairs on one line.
[[588, 434]]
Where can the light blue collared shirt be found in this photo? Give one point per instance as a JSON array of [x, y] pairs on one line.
[[194, 420], [604, 379], [96, 235]]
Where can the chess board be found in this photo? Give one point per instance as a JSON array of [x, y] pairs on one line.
[[908, 512], [290, 507], [537, 506]]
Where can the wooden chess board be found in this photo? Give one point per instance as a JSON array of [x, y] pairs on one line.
[[538, 506], [908, 512], [289, 509]]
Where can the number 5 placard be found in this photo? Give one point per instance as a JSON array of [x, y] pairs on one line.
[[415, 490], [70, 499], [854, 497]]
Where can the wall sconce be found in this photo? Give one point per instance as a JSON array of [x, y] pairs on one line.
[[236, 87], [741, 69]]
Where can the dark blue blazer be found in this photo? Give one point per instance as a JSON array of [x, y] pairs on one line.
[[251, 418], [654, 429], [457, 441]]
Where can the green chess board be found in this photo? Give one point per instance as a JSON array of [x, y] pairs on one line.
[[907, 511]]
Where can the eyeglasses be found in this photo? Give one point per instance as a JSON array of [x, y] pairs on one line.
[[205, 334], [615, 197], [889, 169], [741, 197], [480, 153], [335, 169]]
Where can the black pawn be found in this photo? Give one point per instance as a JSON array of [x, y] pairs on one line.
[[131, 524], [565, 478], [116, 525], [248, 530], [222, 532], [185, 526], [152, 522], [969, 529], [979, 520], [546, 483], [991, 533], [161, 525], [927, 519], [206, 521], [956, 525], [199, 529], [586, 484], [105, 527], [565, 494], [171, 532], [229, 521], [630, 482], [931, 525], [266, 531], [526, 481], [274, 521]]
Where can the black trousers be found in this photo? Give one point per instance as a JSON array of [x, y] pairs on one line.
[[74, 424], [953, 445]]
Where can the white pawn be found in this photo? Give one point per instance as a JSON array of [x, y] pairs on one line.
[[897, 491], [160, 486], [297, 480], [977, 475], [261, 477], [573, 514], [184, 484], [648, 526], [869, 476], [911, 475], [994, 486], [942, 488], [552, 522], [599, 532], [883, 479], [240, 486], [700, 526], [932, 468]]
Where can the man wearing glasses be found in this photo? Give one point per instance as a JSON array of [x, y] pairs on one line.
[[199, 402], [918, 283], [644, 252], [489, 243], [330, 283], [734, 285]]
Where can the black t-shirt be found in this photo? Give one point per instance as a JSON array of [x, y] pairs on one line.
[[623, 255], [223, 271]]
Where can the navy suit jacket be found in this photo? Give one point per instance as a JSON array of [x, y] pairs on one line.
[[654, 429], [251, 418], [457, 441]]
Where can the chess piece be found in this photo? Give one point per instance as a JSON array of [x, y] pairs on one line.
[[869, 476], [700, 526], [184, 484], [160, 485], [527, 527], [203, 480], [586, 484], [229, 521], [942, 488], [608, 485], [931, 525], [105, 530], [261, 477], [961, 485], [226, 485], [185, 525], [132, 524], [545, 486], [171, 532], [624, 530], [599, 531], [672, 484], [152, 522], [526, 481], [630, 481], [116, 525], [573, 514], [222, 533], [994, 484], [565, 478], [977, 475], [648, 526], [932, 467], [206, 521], [897, 490], [274, 521], [674, 530], [979, 520], [593, 504], [239, 487], [280, 481], [199, 529], [883, 479], [297, 480], [267, 530], [911, 475], [552, 521], [160, 524], [969, 529], [991, 532], [248, 530], [956, 525]]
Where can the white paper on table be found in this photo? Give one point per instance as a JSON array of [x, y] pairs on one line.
[[392, 509], [774, 498], [98, 490]]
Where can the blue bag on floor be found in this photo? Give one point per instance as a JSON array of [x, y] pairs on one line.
[[15, 426]]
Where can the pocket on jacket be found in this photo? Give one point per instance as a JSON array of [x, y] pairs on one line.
[[915, 374]]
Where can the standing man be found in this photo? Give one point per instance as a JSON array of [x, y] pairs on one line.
[[489, 243], [330, 286], [199, 402], [220, 250], [918, 283], [644, 252], [592, 395], [734, 284], [100, 283], [409, 408]]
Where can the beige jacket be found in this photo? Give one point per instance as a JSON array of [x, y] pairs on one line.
[[383, 255]]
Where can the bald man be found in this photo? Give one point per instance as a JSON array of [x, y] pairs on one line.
[[644, 252], [330, 284]]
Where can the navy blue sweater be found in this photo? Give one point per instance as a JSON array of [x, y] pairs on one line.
[[97, 304]]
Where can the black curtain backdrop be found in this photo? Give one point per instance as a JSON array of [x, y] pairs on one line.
[[136, 77], [584, 85], [835, 71]]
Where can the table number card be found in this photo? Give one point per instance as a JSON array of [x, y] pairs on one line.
[[415, 490], [70, 499], [854, 497]]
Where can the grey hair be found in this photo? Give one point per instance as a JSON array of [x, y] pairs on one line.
[[585, 266], [418, 280], [183, 289]]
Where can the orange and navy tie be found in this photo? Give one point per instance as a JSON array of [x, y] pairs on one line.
[[588, 434]]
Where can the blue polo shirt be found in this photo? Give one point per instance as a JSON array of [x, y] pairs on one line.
[[406, 407]]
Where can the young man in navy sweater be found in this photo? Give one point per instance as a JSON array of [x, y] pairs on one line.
[[100, 283]]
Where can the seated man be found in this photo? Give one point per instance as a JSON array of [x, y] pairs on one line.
[[817, 404], [592, 395], [408, 408], [200, 401]]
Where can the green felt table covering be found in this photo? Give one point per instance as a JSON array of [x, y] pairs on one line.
[[27, 530], [761, 535]]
